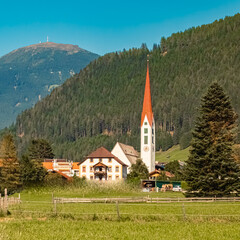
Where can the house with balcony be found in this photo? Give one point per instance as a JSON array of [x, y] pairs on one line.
[[102, 165]]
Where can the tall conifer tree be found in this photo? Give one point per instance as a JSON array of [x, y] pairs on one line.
[[32, 168], [9, 169], [211, 169], [40, 149]]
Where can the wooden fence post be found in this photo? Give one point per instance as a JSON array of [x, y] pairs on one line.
[[117, 207], [0, 201], [55, 206], [5, 200], [184, 212]]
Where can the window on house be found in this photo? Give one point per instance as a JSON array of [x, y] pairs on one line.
[[84, 169], [91, 177], [145, 130], [152, 131], [109, 160], [91, 160], [152, 139], [117, 169], [91, 169], [110, 169], [145, 123], [145, 139], [117, 177], [100, 160], [109, 177]]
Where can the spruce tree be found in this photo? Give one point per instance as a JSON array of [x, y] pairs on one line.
[[40, 149], [32, 171], [211, 169], [9, 169]]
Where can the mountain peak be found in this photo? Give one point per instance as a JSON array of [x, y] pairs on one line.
[[30, 73], [60, 46], [71, 49]]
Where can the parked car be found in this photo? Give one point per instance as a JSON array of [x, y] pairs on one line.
[[177, 189]]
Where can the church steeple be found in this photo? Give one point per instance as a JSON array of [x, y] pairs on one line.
[[147, 103], [148, 127]]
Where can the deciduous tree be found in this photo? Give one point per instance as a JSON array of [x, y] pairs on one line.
[[138, 170]]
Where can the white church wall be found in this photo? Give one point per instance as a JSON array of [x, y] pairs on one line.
[[118, 152], [148, 150]]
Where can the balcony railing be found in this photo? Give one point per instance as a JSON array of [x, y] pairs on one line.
[[100, 173]]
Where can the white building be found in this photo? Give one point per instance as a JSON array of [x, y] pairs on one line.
[[148, 128], [102, 165], [127, 154], [64, 166]]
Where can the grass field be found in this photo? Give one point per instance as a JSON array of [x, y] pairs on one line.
[[172, 154], [41, 229], [92, 190], [37, 217]]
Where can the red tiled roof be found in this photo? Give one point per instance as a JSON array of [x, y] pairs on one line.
[[75, 165], [48, 165], [103, 153], [62, 174], [147, 103]]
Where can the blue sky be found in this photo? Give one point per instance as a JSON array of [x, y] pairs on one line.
[[104, 26]]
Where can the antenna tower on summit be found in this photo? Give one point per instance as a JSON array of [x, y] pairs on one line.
[[47, 38]]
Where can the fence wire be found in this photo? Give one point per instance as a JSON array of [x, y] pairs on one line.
[[132, 210]]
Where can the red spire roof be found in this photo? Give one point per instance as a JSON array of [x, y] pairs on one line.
[[147, 103]]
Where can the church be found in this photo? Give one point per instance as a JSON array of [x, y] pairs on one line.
[[148, 127], [104, 165]]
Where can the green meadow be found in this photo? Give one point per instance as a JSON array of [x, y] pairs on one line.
[[38, 218], [41, 228], [172, 154]]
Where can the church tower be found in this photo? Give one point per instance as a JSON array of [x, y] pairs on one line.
[[148, 128]]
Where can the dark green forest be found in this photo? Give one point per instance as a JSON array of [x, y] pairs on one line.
[[102, 104]]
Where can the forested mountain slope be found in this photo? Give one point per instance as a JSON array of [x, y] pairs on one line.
[[103, 102], [30, 73]]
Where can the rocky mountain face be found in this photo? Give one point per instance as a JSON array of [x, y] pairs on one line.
[[30, 73]]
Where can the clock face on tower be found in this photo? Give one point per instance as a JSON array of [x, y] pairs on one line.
[[146, 148]]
